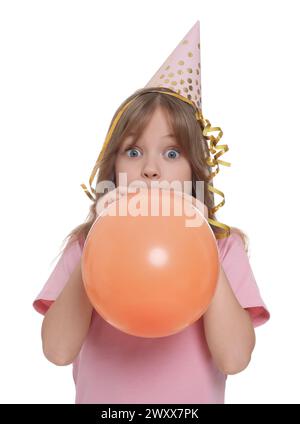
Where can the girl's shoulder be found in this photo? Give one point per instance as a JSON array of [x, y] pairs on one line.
[[236, 241]]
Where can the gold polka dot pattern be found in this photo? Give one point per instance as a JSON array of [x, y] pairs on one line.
[[181, 71]]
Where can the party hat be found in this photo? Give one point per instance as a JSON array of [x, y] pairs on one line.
[[181, 70]]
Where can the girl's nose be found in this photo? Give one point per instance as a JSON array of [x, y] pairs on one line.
[[151, 173]]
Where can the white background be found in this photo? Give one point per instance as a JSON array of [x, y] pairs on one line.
[[65, 68]]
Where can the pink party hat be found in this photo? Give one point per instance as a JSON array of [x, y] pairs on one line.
[[181, 70]]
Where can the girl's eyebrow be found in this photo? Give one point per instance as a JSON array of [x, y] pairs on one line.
[[129, 143], [167, 135]]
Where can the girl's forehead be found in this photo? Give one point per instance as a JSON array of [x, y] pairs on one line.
[[163, 140], [133, 135]]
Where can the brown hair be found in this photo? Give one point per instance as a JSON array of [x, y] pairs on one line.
[[135, 118]]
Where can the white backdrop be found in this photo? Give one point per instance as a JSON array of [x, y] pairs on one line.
[[65, 68]]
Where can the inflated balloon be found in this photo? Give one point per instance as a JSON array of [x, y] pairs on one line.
[[150, 274]]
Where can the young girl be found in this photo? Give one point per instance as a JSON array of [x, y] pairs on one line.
[[155, 135]]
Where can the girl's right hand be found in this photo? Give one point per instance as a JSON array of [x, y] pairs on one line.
[[110, 197]]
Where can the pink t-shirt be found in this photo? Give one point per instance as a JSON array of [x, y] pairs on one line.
[[114, 367]]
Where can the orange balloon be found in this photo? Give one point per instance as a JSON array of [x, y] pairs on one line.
[[150, 275]]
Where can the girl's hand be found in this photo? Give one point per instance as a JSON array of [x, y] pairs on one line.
[[196, 202], [201, 206], [110, 197]]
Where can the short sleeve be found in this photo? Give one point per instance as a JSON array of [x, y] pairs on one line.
[[236, 265], [58, 277]]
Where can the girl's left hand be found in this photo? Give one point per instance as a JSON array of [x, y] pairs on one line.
[[201, 206]]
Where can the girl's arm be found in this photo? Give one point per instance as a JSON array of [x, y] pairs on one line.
[[228, 329], [67, 321]]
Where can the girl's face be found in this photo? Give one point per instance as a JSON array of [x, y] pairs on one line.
[[155, 156]]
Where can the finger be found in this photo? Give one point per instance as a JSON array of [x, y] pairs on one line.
[[121, 190]]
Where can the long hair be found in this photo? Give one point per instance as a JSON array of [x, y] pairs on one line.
[[135, 118]]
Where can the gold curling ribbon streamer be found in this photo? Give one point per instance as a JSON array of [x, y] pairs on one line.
[[215, 161], [212, 161]]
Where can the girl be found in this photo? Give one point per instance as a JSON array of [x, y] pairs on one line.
[[154, 136], [191, 366]]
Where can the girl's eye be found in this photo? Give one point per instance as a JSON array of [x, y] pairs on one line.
[[170, 156], [128, 150], [173, 156]]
